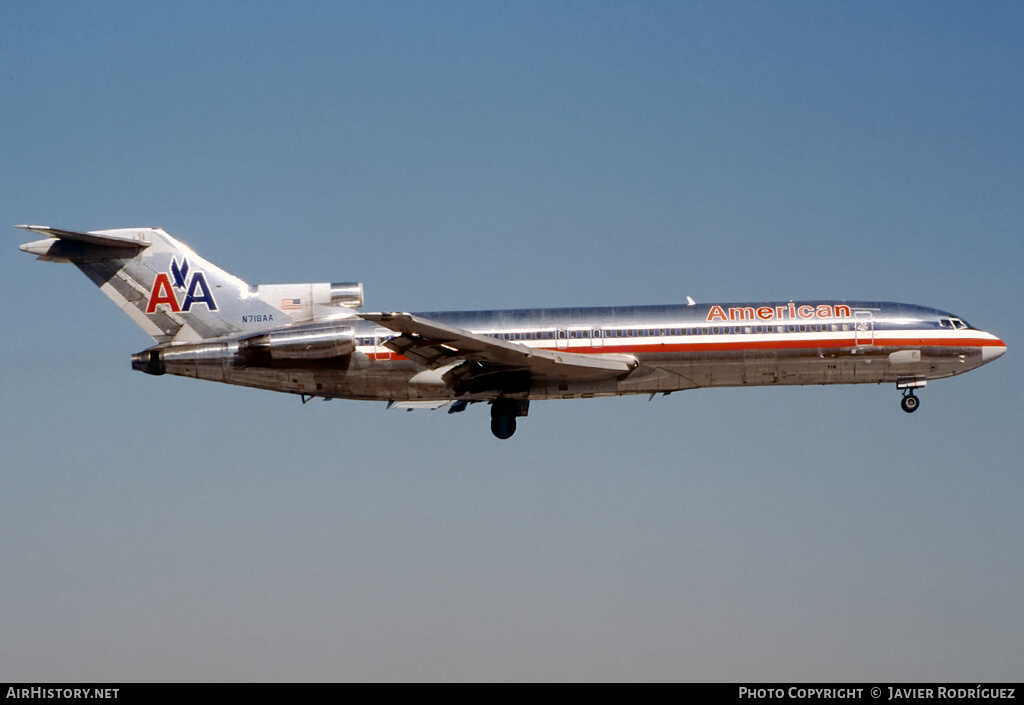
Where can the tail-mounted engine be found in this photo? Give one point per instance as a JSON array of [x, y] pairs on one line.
[[305, 302], [214, 360], [305, 343]]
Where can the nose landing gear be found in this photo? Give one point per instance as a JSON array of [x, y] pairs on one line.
[[908, 384], [910, 401]]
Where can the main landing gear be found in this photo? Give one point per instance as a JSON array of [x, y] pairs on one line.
[[503, 416], [910, 402]]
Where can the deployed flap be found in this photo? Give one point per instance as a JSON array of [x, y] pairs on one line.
[[431, 344], [414, 405]]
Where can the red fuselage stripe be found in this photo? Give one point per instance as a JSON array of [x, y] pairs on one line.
[[796, 344]]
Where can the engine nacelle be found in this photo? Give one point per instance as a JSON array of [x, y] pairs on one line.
[[305, 302], [306, 343], [215, 360], [348, 294], [211, 361]]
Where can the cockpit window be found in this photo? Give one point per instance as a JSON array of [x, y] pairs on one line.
[[954, 323]]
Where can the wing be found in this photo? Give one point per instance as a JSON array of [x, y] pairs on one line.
[[435, 345]]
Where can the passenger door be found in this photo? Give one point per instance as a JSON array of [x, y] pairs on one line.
[[864, 327]]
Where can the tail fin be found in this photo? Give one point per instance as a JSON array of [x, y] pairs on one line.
[[171, 292]]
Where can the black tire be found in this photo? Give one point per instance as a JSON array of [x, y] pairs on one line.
[[503, 426], [910, 403]]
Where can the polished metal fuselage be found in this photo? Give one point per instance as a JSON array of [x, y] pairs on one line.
[[311, 339], [677, 347]]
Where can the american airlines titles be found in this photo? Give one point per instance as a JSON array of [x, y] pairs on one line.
[[790, 311]]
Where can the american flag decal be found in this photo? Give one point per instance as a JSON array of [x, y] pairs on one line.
[[291, 304]]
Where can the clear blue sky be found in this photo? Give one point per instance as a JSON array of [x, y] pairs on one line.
[[492, 155]]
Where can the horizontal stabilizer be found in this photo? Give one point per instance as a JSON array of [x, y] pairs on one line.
[[102, 238]]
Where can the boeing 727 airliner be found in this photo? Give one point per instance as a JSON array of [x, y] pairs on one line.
[[312, 339]]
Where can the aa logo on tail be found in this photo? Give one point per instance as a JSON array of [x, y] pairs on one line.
[[196, 291]]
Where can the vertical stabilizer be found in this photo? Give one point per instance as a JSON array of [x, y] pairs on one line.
[[163, 285]]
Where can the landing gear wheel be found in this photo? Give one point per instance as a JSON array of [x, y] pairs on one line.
[[910, 403], [503, 416], [503, 426]]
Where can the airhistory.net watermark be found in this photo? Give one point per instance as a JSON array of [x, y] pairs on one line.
[[62, 693]]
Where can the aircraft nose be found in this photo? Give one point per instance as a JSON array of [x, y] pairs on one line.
[[991, 352]]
